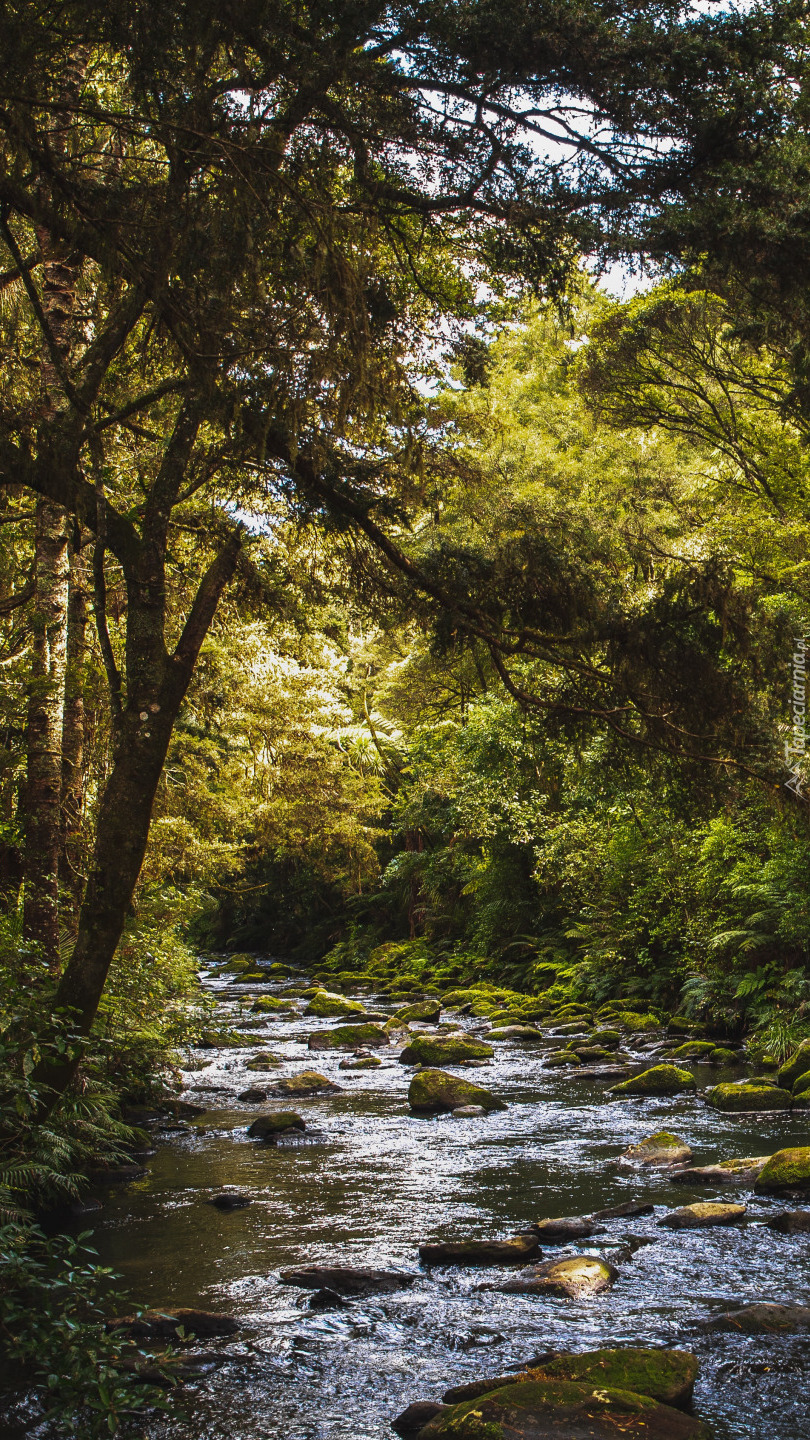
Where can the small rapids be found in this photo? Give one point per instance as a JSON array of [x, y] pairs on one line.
[[369, 1181]]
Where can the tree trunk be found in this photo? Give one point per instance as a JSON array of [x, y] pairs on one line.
[[71, 867], [43, 789]]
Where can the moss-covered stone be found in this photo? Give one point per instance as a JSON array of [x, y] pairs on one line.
[[572, 1027], [691, 1049], [589, 1054], [348, 1037], [268, 1005], [325, 1004], [559, 1409], [736, 1098], [634, 1020], [444, 1050], [263, 1061], [798, 1064], [664, 1375], [609, 1038], [682, 1025], [786, 1170], [361, 1062], [306, 1082], [742, 1170], [558, 1059], [702, 1216], [762, 1318], [224, 1040], [432, 1091], [663, 1148], [660, 1080], [425, 1010], [802, 1084], [722, 1055], [529, 1034], [275, 1123]]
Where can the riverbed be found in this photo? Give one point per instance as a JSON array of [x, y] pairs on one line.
[[369, 1181]]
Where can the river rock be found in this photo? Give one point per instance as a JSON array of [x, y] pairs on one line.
[[444, 1050], [790, 1222], [346, 1279], [608, 1039], [703, 1215], [306, 1082], [786, 1170], [361, 1062], [268, 1004], [660, 1080], [798, 1064], [692, 1050], [573, 1279], [154, 1325], [745, 1097], [663, 1148], [275, 1123], [252, 1096], [468, 1112], [574, 1027], [427, 1011], [627, 1211], [637, 1022], [762, 1318], [665, 1375], [742, 1171], [432, 1091], [564, 1229], [529, 1034], [324, 1004], [558, 1059], [230, 1200], [563, 1410], [468, 1253], [413, 1420], [458, 1393], [348, 1037], [325, 1299], [264, 1061], [722, 1055], [120, 1174]]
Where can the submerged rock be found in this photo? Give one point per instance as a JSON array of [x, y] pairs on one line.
[[347, 1279], [565, 1228], [663, 1148], [762, 1318], [467, 1253], [660, 1080], [348, 1037], [563, 1410], [432, 1091], [786, 1170], [326, 1299], [413, 1420], [155, 1325], [703, 1215], [277, 1122], [230, 1200], [627, 1211], [573, 1279], [306, 1082], [745, 1097], [742, 1171], [468, 1112], [453, 1049], [790, 1222]]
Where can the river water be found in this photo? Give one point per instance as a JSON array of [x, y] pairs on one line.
[[369, 1181]]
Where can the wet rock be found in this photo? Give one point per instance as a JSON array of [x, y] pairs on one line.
[[416, 1417], [559, 1059], [157, 1325], [660, 1080], [468, 1112], [458, 1393], [663, 1148], [277, 1122], [602, 1072], [348, 1037], [223, 1040], [633, 1020], [468, 1253], [703, 1215], [361, 1062], [573, 1279], [252, 1096], [454, 1049], [347, 1280], [306, 1082], [230, 1200], [692, 1050], [609, 1039], [563, 1410], [529, 1034], [564, 1229], [790, 1222], [665, 1375], [264, 1061], [590, 1054], [268, 1005], [721, 1055], [762, 1318], [432, 1091], [745, 1097], [574, 1027], [786, 1170], [426, 1010], [624, 1212], [798, 1064], [326, 1299], [324, 1004], [801, 1086], [119, 1174], [742, 1171]]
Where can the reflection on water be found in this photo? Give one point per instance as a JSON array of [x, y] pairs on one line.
[[370, 1181]]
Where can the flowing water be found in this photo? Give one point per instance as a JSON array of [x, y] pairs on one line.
[[369, 1181]]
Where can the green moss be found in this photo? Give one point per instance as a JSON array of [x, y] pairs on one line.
[[798, 1064], [609, 1038], [558, 1059], [444, 1050], [664, 1375], [432, 1091], [786, 1170], [692, 1047], [263, 1061], [348, 1037], [427, 1010], [721, 1055], [660, 1080], [573, 1027], [267, 1004], [324, 1004], [569, 1407], [632, 1020], [747, 1097]]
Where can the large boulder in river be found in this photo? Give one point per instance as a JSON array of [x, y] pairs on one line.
[[529, 1034], [425, 1010], [306, 1082], [468, 1253], [790, 1222], [432, 1091], [786, 1170], [347, 1279], [742, 1098], [660, 1080], [560, 1410], [274, 1123], [762, 1318], [702, 1216], [348, 1037], [663, 1148], [741, 1171], [563, 1229], [453, 1049], [572, 1279], [323, 1005], [798, 1064], [664, 1375]]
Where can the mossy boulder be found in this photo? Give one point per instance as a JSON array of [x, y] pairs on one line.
[[572, 1027], [224, 1040], [529, 1034], [703, 1216], [786, 1170], [425, 1010], [609, 1038], [742, 1170], [573, 1279], [663, 1148], [264, 1061], [636, 1021], [802, 1084], [558, 1410], [664, 1375], [722, 1055], [348, 1037], [762, 1318], [238, 965], [274, 1123], [558, 1059], [432, 1091], [746, 1097], [324, 1004], [454, 1049], [660, 1080], [692, 1049], [268, 1004], [361, 1062], [306, 1082], [589, 1054], [798, 1064]]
